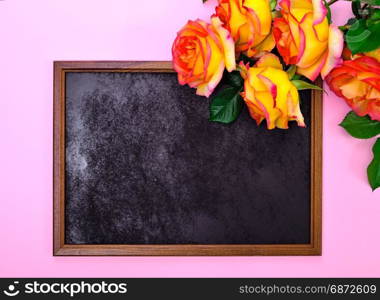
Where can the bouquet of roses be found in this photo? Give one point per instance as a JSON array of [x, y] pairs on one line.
[[266, 51]]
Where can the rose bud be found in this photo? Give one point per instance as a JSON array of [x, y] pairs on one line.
[[269, 94]]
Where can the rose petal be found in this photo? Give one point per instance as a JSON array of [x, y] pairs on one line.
[[266, 104], [374, 110], [206, 89], [375, 54], [227, 42], [266, 45], [336, 43], [269, 60], [315, 40], [272, 88], [294, 110], [262, 10], [320, 11], [313, 71]]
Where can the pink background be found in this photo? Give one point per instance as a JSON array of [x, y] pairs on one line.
[[34, 34]]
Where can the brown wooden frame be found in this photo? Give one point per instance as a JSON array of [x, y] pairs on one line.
[[62, 249]]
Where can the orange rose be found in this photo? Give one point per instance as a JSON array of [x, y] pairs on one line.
[[249, 22], [358, 82], [305, 39], [269, 94], [201, 51]]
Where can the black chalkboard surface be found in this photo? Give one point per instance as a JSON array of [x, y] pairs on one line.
[[143, 167]]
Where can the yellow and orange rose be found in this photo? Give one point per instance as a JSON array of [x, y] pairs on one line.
[[249, 22], [269, 94], [201, 52], [357, 81], [305, 38]]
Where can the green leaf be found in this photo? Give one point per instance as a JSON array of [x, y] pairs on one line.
[[375, 14], [273, 4], [363, 37], [291, 71], [303, 85], [371, 2], [226, 105], [351, 21], [356, 6], [374, 17], [328, 16], [297, 76], [373, 170], [234, 79], [360, 127]]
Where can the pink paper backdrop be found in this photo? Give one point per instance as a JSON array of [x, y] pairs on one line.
[[34, 34]]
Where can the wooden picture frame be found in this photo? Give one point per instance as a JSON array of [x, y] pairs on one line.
[[62, 249]]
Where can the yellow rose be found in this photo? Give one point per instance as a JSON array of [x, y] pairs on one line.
[[201, 52], [305, 38], [249, 22], [269, 94]]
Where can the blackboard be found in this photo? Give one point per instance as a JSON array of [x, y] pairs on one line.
[[139, 170]]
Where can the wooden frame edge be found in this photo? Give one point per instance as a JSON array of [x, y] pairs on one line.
[[58, 165], [316, 167], [187, 250], [62, 249]]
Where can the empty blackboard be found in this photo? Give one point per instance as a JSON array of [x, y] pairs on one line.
[[139, 170]]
